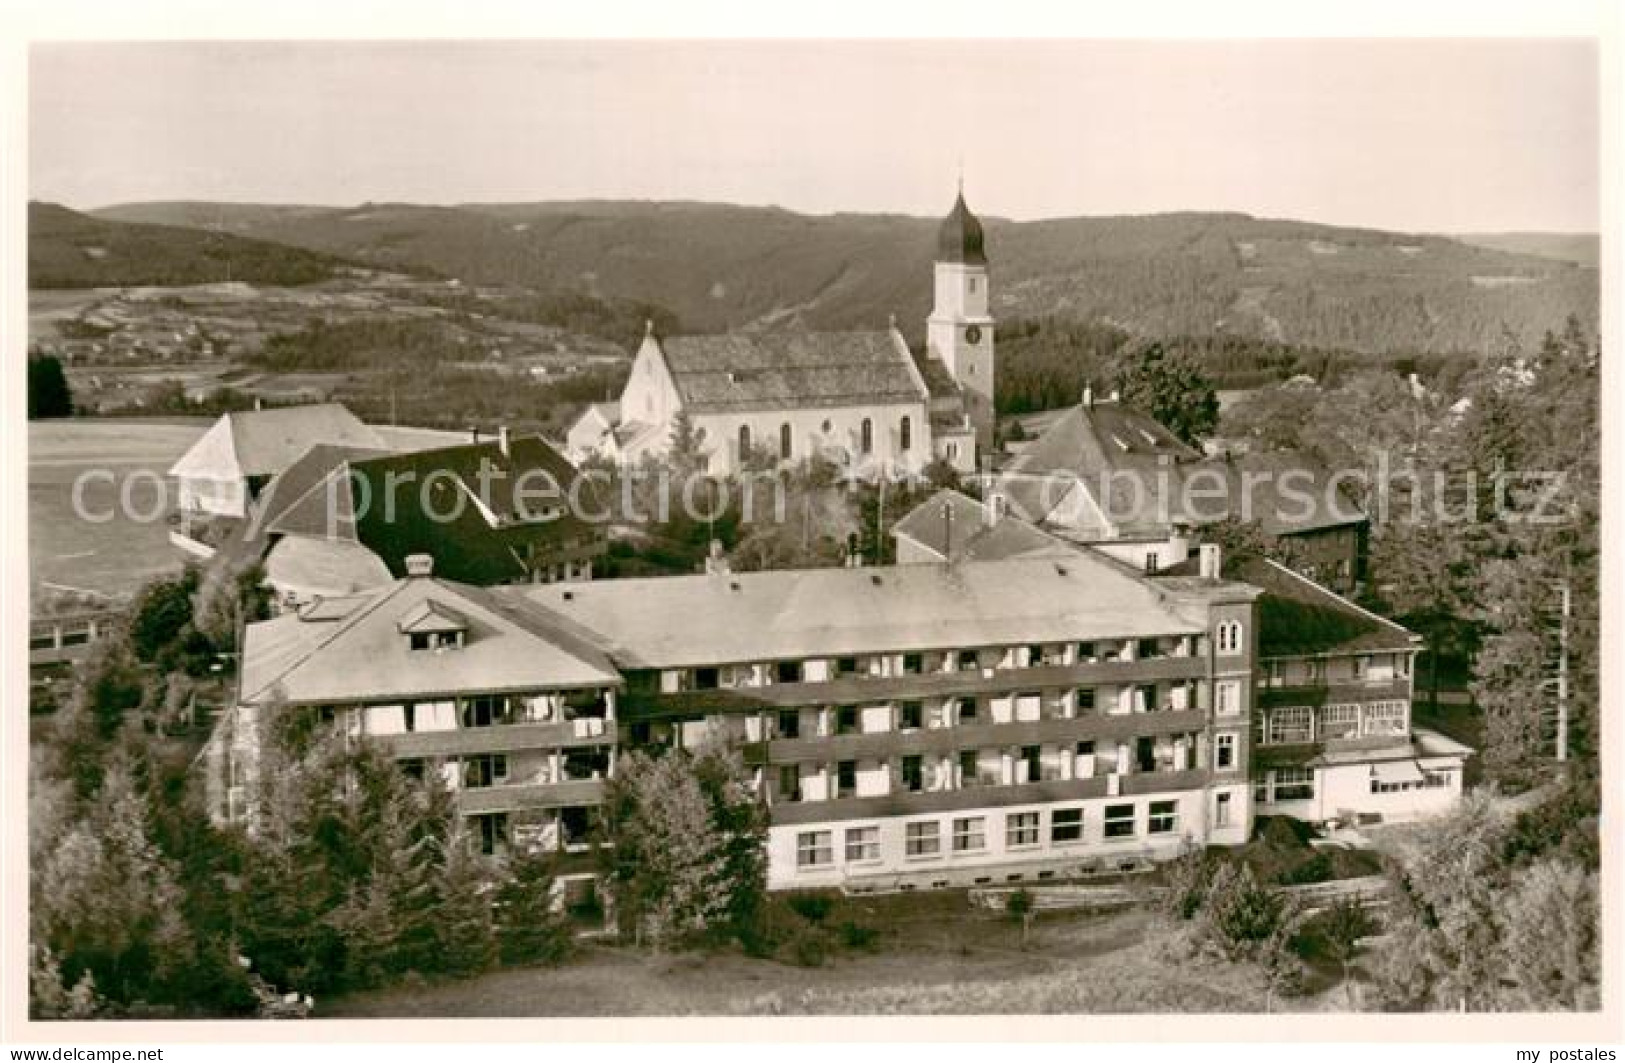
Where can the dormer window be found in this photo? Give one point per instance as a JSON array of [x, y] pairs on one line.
[[430, 626]]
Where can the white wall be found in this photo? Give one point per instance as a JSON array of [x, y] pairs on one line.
[[1194, 825]]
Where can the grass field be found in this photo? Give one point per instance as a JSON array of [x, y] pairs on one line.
[[936, 956], [70, 551]]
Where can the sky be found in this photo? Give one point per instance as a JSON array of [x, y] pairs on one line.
[[1412, 135]]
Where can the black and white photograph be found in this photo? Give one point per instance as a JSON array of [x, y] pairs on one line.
[[641, 527]]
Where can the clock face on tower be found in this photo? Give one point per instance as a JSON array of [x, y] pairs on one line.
[[973, 334]]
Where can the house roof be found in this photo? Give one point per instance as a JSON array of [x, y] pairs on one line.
[[483, 513], [684, 621], [968, 535], [309, 566], [1142, 479], [791, 370], [352, 649], [265, 442], [1297, 617]]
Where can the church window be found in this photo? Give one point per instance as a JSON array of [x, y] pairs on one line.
[[868, 436], [744, 440], [973, 284], [905, 433], [784, 441]]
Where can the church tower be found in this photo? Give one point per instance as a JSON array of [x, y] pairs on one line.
[[960, 331]]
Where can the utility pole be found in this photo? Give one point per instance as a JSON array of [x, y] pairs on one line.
[[1563, 673]]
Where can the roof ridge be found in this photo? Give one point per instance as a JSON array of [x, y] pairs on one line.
[[349, 621]]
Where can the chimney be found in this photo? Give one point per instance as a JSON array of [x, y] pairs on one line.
[[419, 566], [993, 508], [1209, 561], [1088, 395], [1179, 544], [716, 562], [502, 440]]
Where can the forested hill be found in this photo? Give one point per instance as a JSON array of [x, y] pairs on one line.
[[722, 267], [67, 249]]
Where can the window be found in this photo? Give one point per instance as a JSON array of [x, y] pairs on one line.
[[972, 285], [789, 723], [867, 432], [905, 434], [913, 663], [1227, 697], [744, 441], [846, 778], [1020, 829], [1119, 821], [967, 767], [1340, 721], [1221, 810], [1228, 637], [911, 716], [1402, 665], [862, 844], [1163, 817], [1385, 718], [952, 451], [1291, 723], [970, 835], [1294, 784], [922, 839], [493, 832], [788, 671], [846, 720], [1086, 652], [790, 782], [486, 711], [1361, 666], [813, 849], [1066, 825], [1086, 748], [846, 666], [1224, 752], [487, 769], [967, 711], [1086, 700], [707, 678], [913, 773], [784, 441], [1152, 562], [968, 661]]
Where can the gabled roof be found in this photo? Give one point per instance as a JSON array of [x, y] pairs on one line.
[[685, 621], [1140, 478], [968, 534], [353, 649], [791, 370], [1297, 617], [265, 442], [431, 617]]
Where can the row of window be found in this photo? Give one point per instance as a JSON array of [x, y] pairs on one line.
[[1290, 724], [1313, 670], [936, 662], [968, 835], [866, 437]]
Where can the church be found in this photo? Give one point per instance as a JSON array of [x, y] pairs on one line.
[[860, 400]]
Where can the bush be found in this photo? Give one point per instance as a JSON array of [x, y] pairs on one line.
[[805, 946], [1318, 868], [858, 937], [813, 907]]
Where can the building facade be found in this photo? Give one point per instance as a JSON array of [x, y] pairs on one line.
[[908, 727]]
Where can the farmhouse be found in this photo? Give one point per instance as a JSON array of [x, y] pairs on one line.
[[493, 511], [1109, 475], [229, 465], [861, 400]]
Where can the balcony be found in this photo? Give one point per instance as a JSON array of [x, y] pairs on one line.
[[514, 797], [650, 704], [498, 738], [952, 739]]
